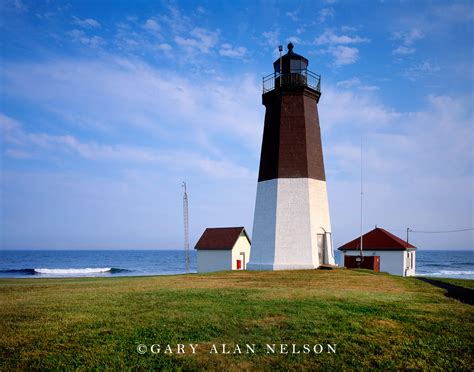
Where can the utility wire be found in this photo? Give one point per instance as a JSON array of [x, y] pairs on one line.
[[440, 232]]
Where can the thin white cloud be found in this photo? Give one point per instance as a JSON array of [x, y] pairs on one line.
[[174, 20], [293, 15], [355, 83], [202, 40], [348, 83], [344, 55], [93, 151], [348, 29], [338, 46], [411, 36], [47, 15], [91, 41], [7, 123], [408, 38], [361, 110], [125, 94], [443, 122], [403, 50], [151, 25], [300, 30], [18, 154], [165, 47], [86, 23], [271, 38], [227, 50], [331, 38], [369, 87], [325, 13], [130, 36], [421, 70]]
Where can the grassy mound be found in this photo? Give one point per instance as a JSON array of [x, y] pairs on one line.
[[376, 320]]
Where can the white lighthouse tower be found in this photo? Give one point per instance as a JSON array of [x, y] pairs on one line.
[[292, 228]]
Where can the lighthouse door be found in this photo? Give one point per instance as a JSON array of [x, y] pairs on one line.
[[320, 242]]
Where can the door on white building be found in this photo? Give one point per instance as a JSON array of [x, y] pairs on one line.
[[321, 245], [242, 257]]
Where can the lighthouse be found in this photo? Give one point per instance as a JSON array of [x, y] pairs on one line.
[[292, 228]]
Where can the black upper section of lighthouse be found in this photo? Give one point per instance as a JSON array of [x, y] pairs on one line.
[[291, 145], [290, 62], [291, 71]]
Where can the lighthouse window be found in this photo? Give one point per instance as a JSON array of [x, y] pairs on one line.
[[295, 66]]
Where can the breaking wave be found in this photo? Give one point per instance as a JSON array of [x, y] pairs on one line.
[[450, 273], [457, 272]]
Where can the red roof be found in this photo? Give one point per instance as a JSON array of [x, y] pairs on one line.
[[377, 239], [220, 238]]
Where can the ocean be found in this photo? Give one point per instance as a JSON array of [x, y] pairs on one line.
[[106, 263]]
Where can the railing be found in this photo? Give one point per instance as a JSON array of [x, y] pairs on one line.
[[296, 78]]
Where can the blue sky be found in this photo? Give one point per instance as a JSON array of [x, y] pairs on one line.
[[106, 106]]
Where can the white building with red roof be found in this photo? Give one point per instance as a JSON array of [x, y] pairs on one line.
[[223, 248], [397, 256]]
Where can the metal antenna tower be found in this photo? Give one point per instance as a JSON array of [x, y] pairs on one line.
[[186, 228], [361, 203]]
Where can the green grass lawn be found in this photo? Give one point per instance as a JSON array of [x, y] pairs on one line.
[[376, 320]]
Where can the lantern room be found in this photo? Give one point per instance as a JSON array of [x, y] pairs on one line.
[[291, 72], [290, 63]]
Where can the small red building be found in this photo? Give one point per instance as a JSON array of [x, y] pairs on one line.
[[397, 256]]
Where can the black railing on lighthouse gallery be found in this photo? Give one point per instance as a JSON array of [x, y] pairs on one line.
[[296, 78]]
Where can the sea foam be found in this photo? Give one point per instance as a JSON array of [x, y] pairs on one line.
[[467, 274], [457, 272], [96, 270]]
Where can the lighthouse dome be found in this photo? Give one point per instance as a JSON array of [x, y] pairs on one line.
[[291, 62]]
